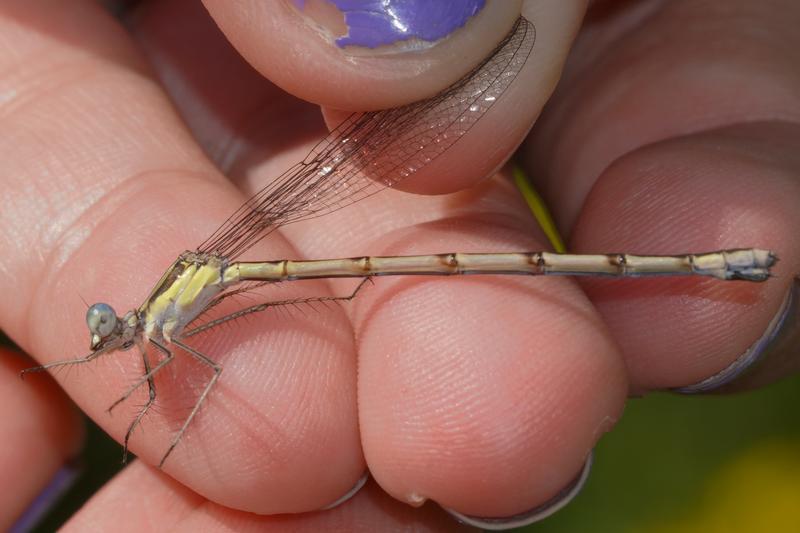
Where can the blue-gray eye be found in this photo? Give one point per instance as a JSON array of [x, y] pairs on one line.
[[101, 319]]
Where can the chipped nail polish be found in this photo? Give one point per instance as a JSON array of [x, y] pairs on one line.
[[786, 323], [557, 502], [374, 23]]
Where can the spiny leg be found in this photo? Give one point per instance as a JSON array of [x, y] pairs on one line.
[[63, 362], [263, 307], [150, 401], [217, 371], [147, 376]]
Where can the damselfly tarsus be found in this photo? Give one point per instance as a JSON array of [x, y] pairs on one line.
[[363, 155]]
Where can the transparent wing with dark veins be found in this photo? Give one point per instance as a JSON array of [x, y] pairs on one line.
[[371, 151]]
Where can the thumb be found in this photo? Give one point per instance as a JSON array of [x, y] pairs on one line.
[[352, 55]]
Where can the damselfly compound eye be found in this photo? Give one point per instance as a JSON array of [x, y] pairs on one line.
[[101, 319]]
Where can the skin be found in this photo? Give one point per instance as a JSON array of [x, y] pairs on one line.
[[664, 107]]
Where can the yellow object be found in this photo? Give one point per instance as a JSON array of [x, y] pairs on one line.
[[539, 209], [756, 491]]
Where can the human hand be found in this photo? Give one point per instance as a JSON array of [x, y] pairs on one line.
[[127, 189]]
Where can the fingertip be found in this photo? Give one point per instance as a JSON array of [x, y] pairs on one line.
[[483, 394], [495, 421], [525, 67], [296, 48], [676, 332]]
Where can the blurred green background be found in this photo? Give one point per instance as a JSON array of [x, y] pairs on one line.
[[696, 463]]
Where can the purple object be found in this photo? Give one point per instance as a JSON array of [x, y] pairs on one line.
[[63, 480], [374, 23]]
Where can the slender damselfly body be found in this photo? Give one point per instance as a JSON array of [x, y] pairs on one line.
[[368, 152]]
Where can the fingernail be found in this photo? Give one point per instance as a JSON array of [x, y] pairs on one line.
[[374, 23], [350, 493], [62, 481], [566, 495], [765, 357]]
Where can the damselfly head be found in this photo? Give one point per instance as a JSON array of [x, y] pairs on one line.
[[107, 329]]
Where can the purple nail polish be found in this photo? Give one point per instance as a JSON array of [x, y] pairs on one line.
[[373, 23]]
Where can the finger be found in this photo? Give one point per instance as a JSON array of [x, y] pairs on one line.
[[104, 187], [143, 499], [41, 432], [303, 61], [673, 159]]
